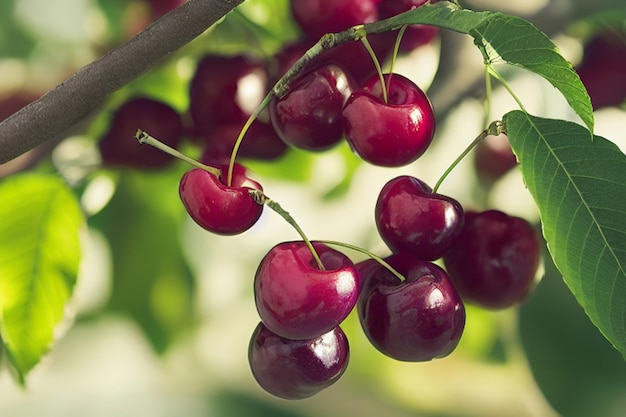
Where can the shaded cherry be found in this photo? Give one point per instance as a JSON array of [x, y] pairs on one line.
[[494, 158], [392, 133], [318, 17], [297, 369], [216, 207], [309, 116], [411, 218], [494, 261], [418, 319], [225, 90], [414, 35], [118, 146], [161, 7], [297, 300]]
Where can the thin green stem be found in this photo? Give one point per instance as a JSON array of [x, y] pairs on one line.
[[396, 48], [491, 70], [144, 137], [368, 253], [495, 128], [261, 198], [488, 94], [379, 70]]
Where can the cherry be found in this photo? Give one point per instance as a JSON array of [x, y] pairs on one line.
[[297, 369], [259, 143], [318, 17], [414, 35], [297, 300], [418, 319], [602, 68], [161, 7], [225, 90], [393, 133], [309, 115], [494, 158], [118, 146], [216, 207], [494, 261], [411, 218]]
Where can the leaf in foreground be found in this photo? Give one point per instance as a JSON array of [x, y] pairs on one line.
[[580, 189], [39, 256]]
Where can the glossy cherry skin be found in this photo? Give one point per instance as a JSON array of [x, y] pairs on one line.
[[415, 320], [411, 218], [309, 116], [494, 158], [297, 300], [389, 134], [118, 146], [494, 261], [216, 207], [297, 369], [318, 17], [220, 90]]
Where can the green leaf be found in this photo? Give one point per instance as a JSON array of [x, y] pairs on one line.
[[39, 257], [511, 39], [578, 185]]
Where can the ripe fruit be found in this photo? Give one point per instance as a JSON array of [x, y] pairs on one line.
[[418, 319], [161, 7], [318, 17], [411, 218], [309, 115], [414, 35], [218, 208], [392, 133], [225, 90], [297, 369], [297, 300], [118, 146], [494, 260], [494, 158]]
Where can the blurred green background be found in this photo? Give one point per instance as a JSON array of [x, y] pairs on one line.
[[160, 321]]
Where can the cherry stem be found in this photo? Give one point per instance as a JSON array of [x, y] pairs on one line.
[[495, 128], [396, 51], [369, 254], [488, 93], [492, 71], [379, 70], [144, 137], [261, 198]]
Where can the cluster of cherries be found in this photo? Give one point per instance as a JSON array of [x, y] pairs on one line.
[[410, 308]]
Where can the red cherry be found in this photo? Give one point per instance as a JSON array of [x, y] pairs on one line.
[[297, 369], [216, 207], [318, 17], [411, 218], [391, 134], [309, 115], [119, 147], [414, 35], [494, 261], [494, 158], [418, 319], [297, 300]]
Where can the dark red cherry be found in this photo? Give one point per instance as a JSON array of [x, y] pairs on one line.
[[161, 7], [418, 319], [297, 300], [494, 158], [309, 116], [494, 261], [392, 133], [225, 90], [411, 218], [414, 35], [297, 369], [318, 17], [216, 207], [118, 146]]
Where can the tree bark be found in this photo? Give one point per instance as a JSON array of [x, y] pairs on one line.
[[65, 105]]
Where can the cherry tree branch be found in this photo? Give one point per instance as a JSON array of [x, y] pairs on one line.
[[69, 102]]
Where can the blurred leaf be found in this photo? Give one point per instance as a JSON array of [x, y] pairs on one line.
[[235, 404], [513, 40], [39, 257], [578, 185], [151, 280]]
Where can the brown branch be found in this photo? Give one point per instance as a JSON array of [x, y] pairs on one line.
[[69, 102]]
